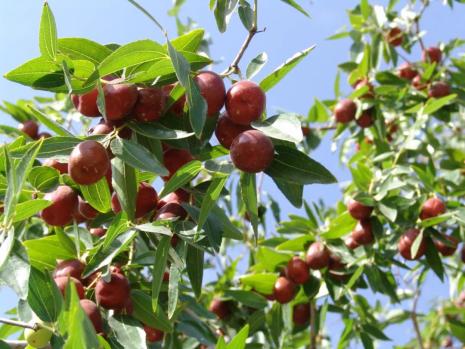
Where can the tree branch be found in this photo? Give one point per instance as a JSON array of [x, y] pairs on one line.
[[416, 326], [19, 324]]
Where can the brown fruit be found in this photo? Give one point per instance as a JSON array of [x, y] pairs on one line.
[[362, 234], [86, 104], [301, 314], [211, 88], [150, 104], [432, 54], [64, 203], [62, 283], [93, 313], [431, 208], [345, 111], [220, 308], [86, 210], [252, 151], [439, 89], [245, 102], [62, 167], [177, 108], [29, 127], [146, 201], [336, 269], [418, 83], [69, 268], [297, 271], [358, 210], [284, 290], [446, 250], [395, 37], [178, 196], [405, 244], [366, 119], [407, 71], [88, 162], [113, 295], [318, 256], [152, 334], [171, 210], [351, 243], [226, 130], [43, 135], [174, 159], [119, 100], [362, 83], [98, 232], [306, 130]]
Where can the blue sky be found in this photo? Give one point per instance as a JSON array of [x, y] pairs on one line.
[[286, 33]]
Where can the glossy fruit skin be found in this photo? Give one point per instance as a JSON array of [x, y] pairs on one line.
[[150, 104], [366, 119], [86, 210], [345, 111], [61, 167], [226, 130], [64, 203], [439, 89], [297, 271], [178, 196], [98, 232], [113, 295], [93, 313], [432, 54], [444, 249], [358, 210], [102, 129], [431, 208], [418, 83], [211, 88], [252, 151], [395, 37], [351, 243], [43, 135], [177, 108], [86, 104], [29, 127], [62, 283], [317, 256], [301, 314], [220, 308], [407, 71], [362, 233], [171, 210], [88, 162], [153, 334], [245, 102], [406, 241], [174, 159], [146, 201], [37, 338], [284, 290], [119, 100], [69, 268]]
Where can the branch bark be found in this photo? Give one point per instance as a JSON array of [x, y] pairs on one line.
[[416, 326], [19, 324]]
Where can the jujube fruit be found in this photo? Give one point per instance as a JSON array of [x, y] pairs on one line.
[[178, 196], [245, 102], [431, 208], [146, 200], [361, 84], [351, 243], [64, 203], [211, 88], [29, 127], [366, 119], [301, 314], [113, 294], [70, 267], [226, 130], [177, 108], [153, 334], [120, 99], [405, 244], [174, 159], [43, 135], [284, 290], [37, 338], [358, 210], [418, 83], [439, 89], [171, 210], [63, 281], [407, 71], [93, 313], [297, 270], [362, 233], [252, 151], [345, 111], [317, 256], [446, 249], [98, 232], [61, 167], [395, 37], [432, 54], [220, 308], [86, 103], [88, 162], [150, 104], [86, 210]]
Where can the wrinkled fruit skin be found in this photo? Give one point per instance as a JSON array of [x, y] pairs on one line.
[[152, 334], [39, 338], [446, 250], [146, 201], [171, 210], [395, 37], [252, 151], [62, 283], [64, 203], [119, 100], [86, 210], [345, 111], [406, 242], [29, 127], [179, 196], [284, 290], [358, 210], [174, 159], [407, 71], [61, 167], [245, 102], [211, 88], [88, 162], [439, 89], [297, 270], [220, 308], [301, 314], [317, 256], [150, 104], [113, 295], [431, 208], [71, 267], [226, 130], [366, 119], [98, 232], [86, 104], [93, 313], [362, 233], [432, 54]]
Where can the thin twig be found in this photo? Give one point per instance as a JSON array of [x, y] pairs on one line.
[[20, 344], [417, 23], [416, 326], [313, 332], [19, 324]]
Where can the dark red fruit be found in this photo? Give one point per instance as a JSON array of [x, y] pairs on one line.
[[432, 207], [336, 269], [362, 83], [284, 290], [418, 83], [43, 135], [98, 232], [166, 276], [297, 270], [113, 295], [220, 308], [362, 234], [86, 104], [88, 162], [317, 256], [152, 334], [86, 210], [62, 167], [174, 159], [64, 203], [306, 130], [177, 108], [179, 196], [358, 210], [252, 151], [405, 244], [351, 243], [29, 127], [407, 71], [345, 111], [171, 210], [71, 267], [395, 37], [212, 88], [150, 104], [301, 314], [62, 283], [446, 249], [146, 201], [366, 119], [439, 89], [92, 311], [102, 129], [119, 100], [226, 130], [245, 102], [432, 54]]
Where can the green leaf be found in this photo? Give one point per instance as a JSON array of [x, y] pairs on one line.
[[50, 124], [256, 65], [375, 332], [434, 104], [158, 131], [53, 146], [223, 11], [246, 14], [47, 33], [433, 258], [239, 339], [182, 176], [85, 49], [249, 197], [284, 126], [292, 191], [128, 331], [190, 41], [296, 6], [340, 226], [248, 298], [293, 166], [27, 209], [125, 185], [416, 244], [43, 178], [161, 257], [55, 251], [279, 73], [262, 283], [194, 265], [173, 289], [154, 228], [98, 195], [44, 297], [143, 312], [211, 196], [15, 271]]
